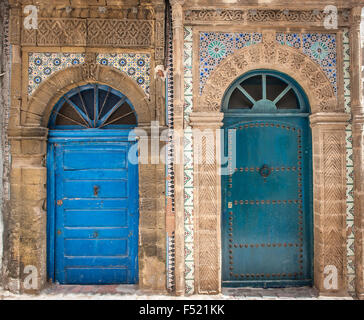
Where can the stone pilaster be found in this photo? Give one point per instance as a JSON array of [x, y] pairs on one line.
[[357, 107], [178, 101], [329, 192], [152, 229], [26, 238], [207, 201]]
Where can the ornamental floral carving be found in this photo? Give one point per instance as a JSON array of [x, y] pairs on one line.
[[269, 55], [205, 16]]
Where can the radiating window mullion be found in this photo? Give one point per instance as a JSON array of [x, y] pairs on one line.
[[116, 119], [264, 86], [112, 110], [103, 105], [282, 94], [96, 104], [83, 103], [72, 120], [80, 113], [244, 92]]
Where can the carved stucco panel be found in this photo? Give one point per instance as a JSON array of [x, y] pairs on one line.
[[270, 56]]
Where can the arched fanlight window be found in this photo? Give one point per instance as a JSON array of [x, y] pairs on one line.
[[93, 106], [265, 92]]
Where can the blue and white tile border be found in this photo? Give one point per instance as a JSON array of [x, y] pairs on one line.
[[188, 164], [42, 65], [349, 168]]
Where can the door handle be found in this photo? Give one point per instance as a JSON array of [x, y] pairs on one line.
[[265, 171]]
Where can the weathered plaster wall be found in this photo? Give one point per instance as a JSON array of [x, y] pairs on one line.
[[41, 71], [4, 98]]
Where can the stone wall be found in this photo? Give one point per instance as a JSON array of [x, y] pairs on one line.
[[116, 43], [4, 107]]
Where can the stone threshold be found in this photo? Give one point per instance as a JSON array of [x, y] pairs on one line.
[[132, 292]]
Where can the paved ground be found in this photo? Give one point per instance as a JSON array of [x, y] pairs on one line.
[[130, 292]]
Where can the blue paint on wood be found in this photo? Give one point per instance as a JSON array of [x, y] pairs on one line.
[[93, 220]]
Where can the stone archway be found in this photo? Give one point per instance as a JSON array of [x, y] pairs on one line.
[[44, 98], [328, 122], [26, 238]]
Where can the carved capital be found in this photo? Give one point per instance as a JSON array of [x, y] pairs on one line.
[[176, 2], [356, 16], [177, 13], [212, 120], [332, 119]]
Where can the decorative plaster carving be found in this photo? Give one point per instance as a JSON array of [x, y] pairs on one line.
[[271, 55], [92, 32], [124, 33], [89, 68], [198, 16]]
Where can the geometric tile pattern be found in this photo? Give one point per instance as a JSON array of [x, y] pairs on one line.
[[188, 164], [135, 65], [349, 169], [44, 64], [215, 46], [170, 170], [320, 47]]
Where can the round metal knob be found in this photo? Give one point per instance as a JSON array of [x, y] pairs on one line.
[[265, 171]]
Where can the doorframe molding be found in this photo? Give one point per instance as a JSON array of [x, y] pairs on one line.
[[329, 202], [328, 121]]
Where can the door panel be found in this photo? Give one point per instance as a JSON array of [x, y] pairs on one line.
[[266, 220], [96, 216]]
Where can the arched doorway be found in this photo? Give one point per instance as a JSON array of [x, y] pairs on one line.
[[92, 188], [267, 193]]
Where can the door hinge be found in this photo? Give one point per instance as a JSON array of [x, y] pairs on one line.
[[59, 202]]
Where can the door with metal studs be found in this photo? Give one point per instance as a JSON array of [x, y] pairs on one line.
[[266, 191], [92, 189]]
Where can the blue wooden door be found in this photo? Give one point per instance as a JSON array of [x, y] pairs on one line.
[[92, 188], [96, 216], [266, 220]]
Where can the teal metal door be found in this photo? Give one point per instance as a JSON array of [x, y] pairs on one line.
[[266, 205]]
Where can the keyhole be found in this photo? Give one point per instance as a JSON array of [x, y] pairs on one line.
[[95, 234], [96, 190]]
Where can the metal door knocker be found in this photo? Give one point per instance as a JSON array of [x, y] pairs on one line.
[[265, 171]]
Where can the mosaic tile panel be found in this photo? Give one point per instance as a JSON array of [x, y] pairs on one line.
[[188, 164], [215, 46], [349, 168], [135, 65], [42, 65], [320, 47]]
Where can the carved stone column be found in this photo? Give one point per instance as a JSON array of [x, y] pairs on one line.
[[178, 100], [329, 201], [207, 201], [357, 107]]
